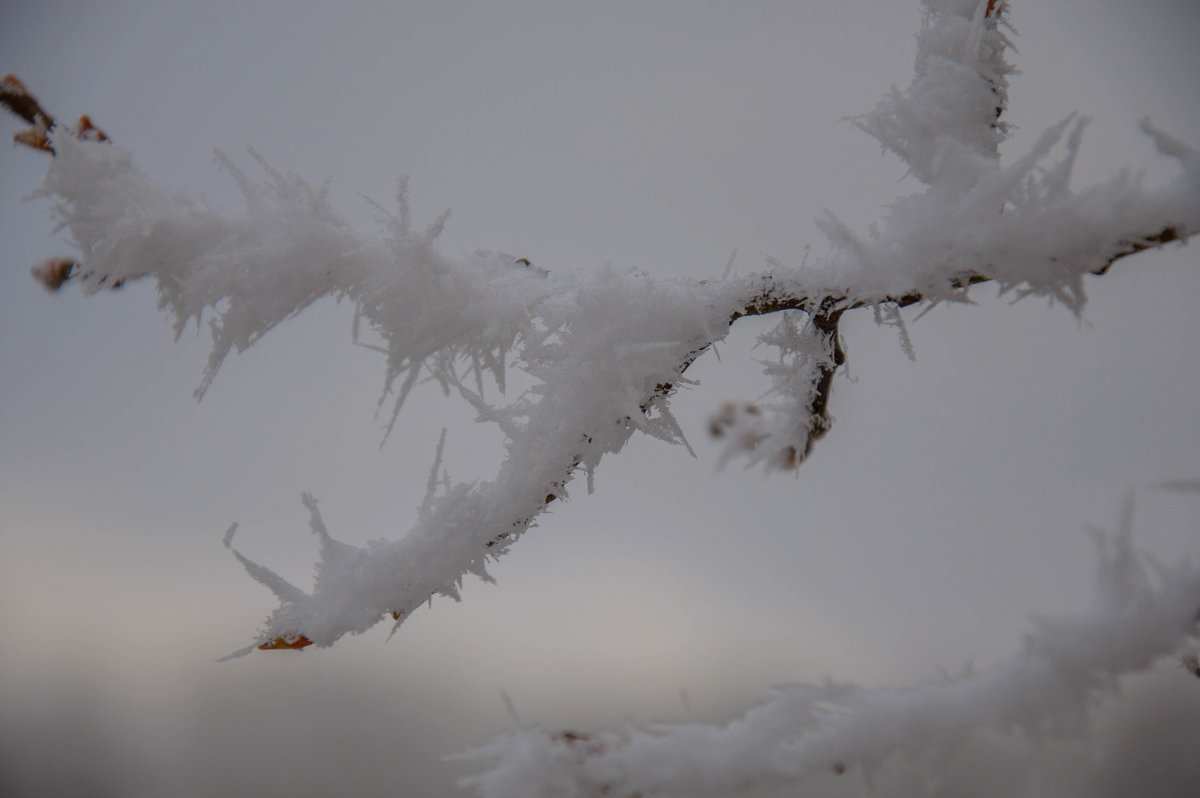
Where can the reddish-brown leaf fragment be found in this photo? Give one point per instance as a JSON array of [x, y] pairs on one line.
[[292, 642], [33, 138]]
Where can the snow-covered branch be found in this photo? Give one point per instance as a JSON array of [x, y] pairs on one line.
[[606, 349], [1141, 612]]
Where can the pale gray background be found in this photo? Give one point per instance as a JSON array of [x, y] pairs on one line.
[[944, 508]]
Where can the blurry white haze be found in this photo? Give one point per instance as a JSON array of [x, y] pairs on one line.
[[946, 507]]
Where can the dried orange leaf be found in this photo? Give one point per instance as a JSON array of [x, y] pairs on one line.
[[295, 642], [34, 138]]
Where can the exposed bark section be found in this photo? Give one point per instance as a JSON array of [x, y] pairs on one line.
[[826, 313], [1165, 236]]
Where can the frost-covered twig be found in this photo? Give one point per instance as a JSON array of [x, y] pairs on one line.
[[606, 349], [1141, 613], [51, 272]]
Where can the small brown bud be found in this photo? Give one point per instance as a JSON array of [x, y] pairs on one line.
[[86, 131], [53, 272], [791, 457], [11, 84], [18, 100]]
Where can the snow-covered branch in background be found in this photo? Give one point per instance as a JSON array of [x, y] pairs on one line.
[[606, 349], [1141, 612]]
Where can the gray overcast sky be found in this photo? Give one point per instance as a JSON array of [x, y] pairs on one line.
[[944, 508]]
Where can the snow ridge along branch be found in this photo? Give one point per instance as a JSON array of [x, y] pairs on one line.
[[607, 349], [1141, 612]]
